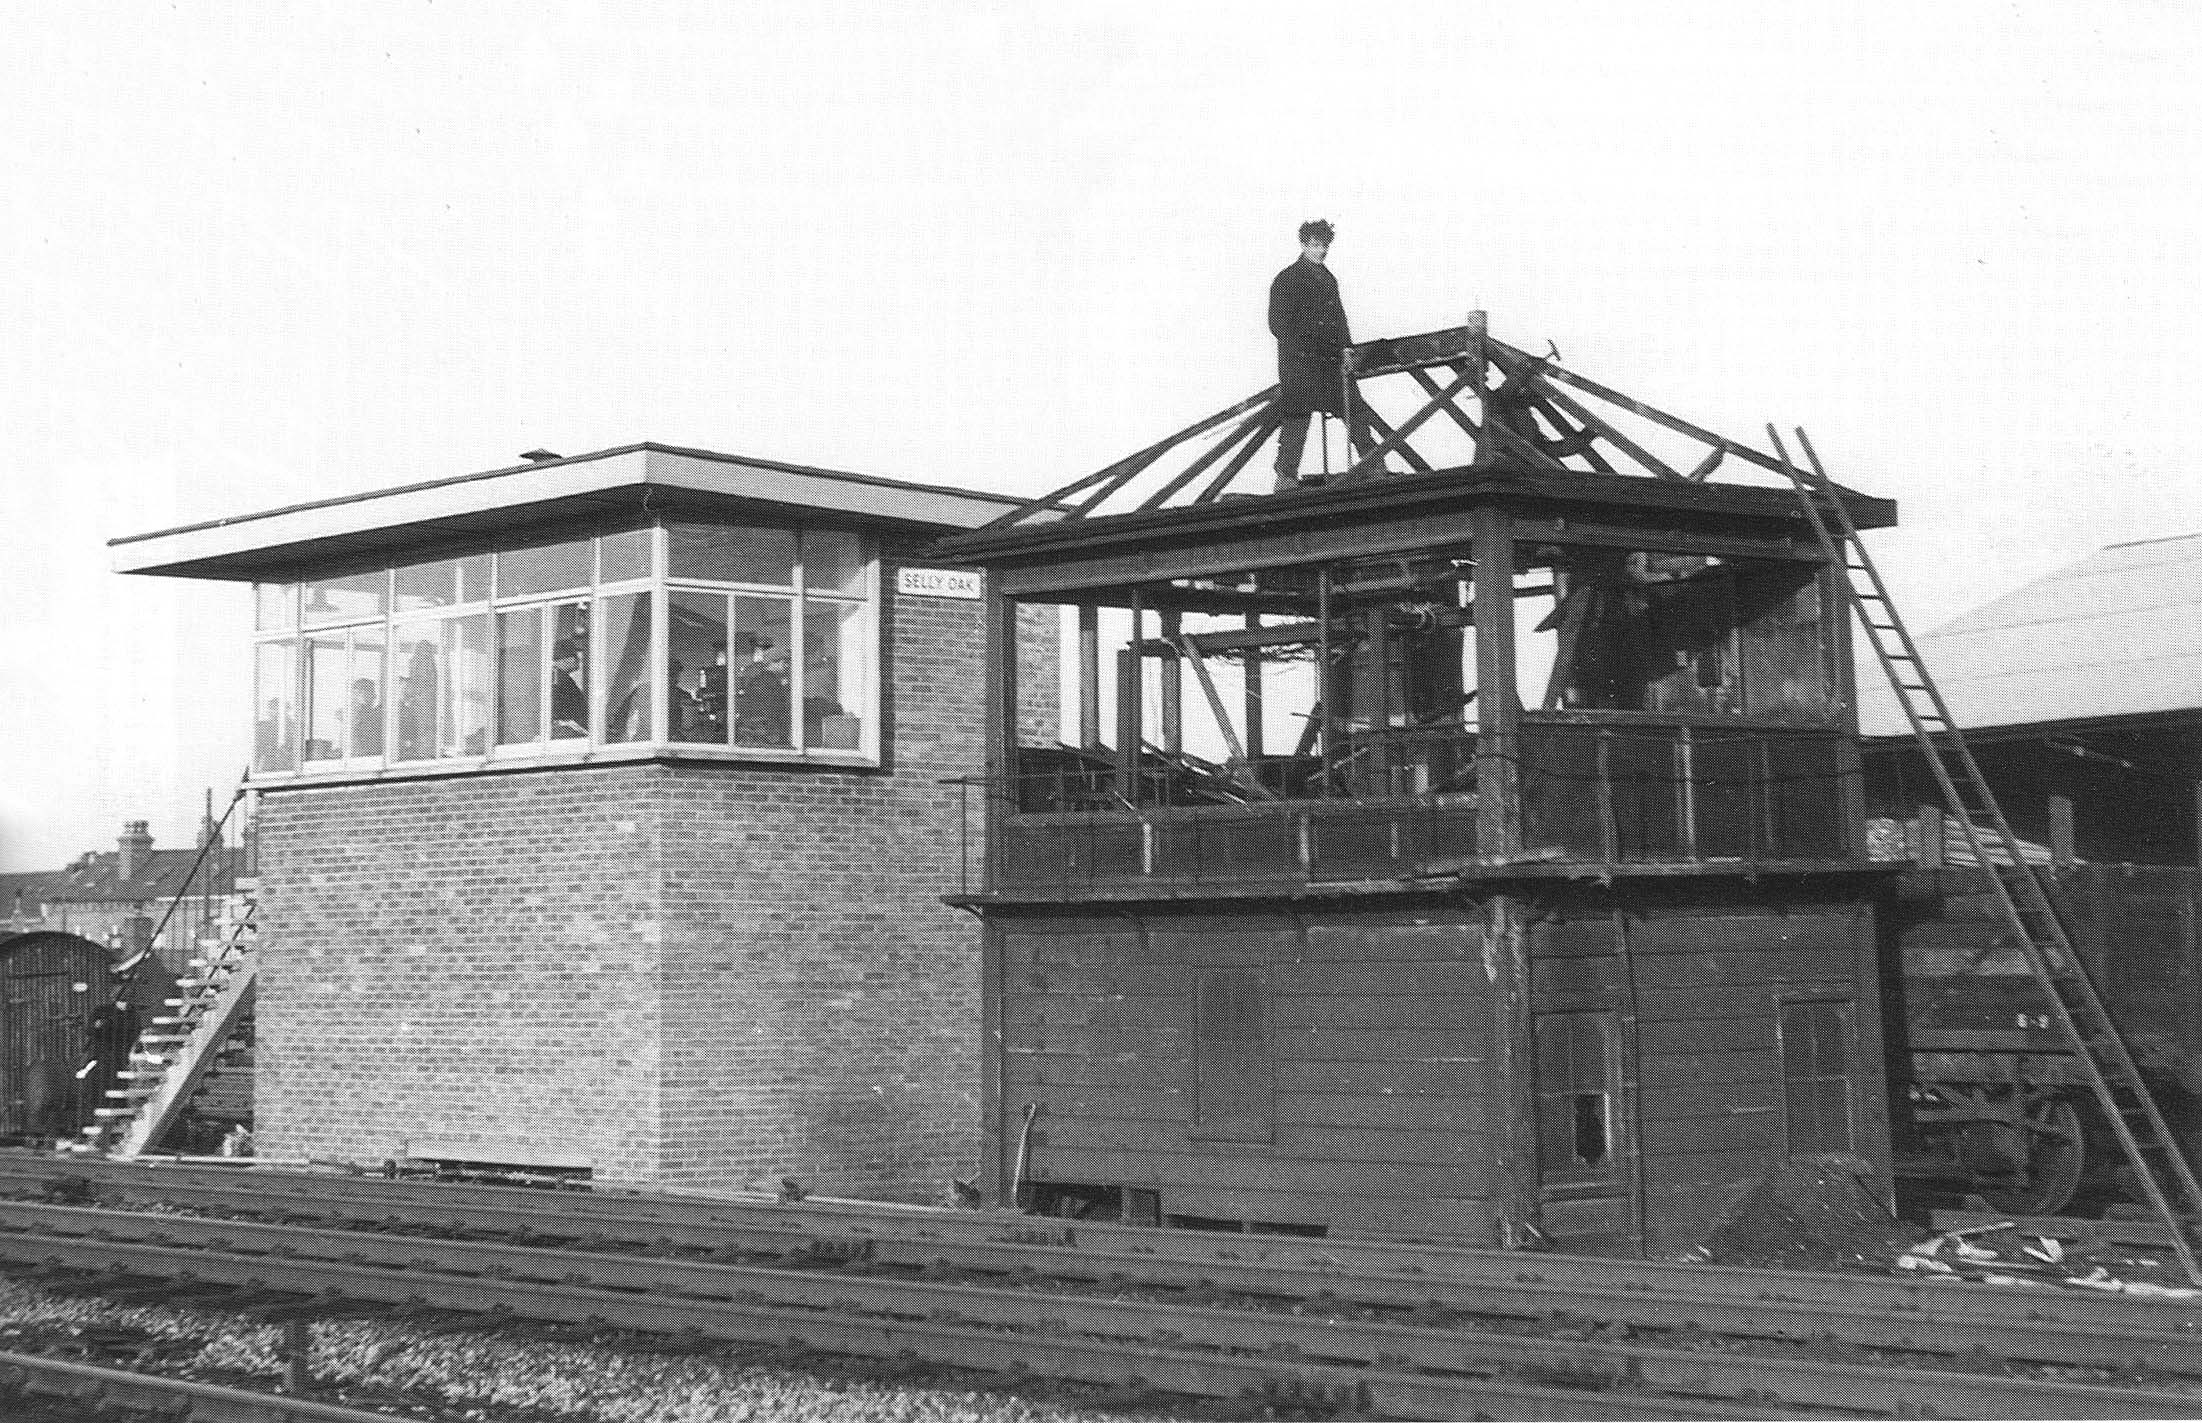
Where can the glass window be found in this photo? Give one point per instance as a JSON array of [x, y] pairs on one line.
[[626, 621], [390, 670], [836, 681], [442, 689], [1576, 1088], [731, 555], [547, 569], [346, 600], [365, 716], [697, 667], [833, 562], [762, 686], [1815, 1069], [439, 585], [569, 671], [519, 676], [328, 693], [624, 556], [275, 703], [274, 606]]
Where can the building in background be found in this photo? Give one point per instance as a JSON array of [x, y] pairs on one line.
[[122, 898], [2081, 697], [605, 807]]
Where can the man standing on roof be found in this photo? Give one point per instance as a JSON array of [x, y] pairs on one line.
[[1309, 322]]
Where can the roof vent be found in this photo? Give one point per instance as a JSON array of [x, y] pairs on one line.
[[539, 456]]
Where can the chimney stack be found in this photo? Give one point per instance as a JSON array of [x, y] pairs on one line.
[[136, 845]]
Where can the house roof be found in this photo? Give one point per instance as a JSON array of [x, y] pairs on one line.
[[415, 519], [2117, 634], [98, 878]]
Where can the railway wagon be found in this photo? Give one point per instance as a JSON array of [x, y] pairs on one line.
[[1474, 851], [69, 1013], [1988, 1100]]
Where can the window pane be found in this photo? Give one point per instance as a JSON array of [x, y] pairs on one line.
[[569, 678], [543, 570], [833, 562], [761, 691], [274, 606], [346, 600], [275, 698], [625, 556], [328, 692], [366, 710], [463, 713], [626, 622], [519, 676], [731, 555], [423, 665], [427, 585], [697, 667], [836, 675], [474, 579]]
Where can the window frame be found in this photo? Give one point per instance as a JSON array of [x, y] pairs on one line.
[[1563, 1180], [1845, 1005], [278, 621]]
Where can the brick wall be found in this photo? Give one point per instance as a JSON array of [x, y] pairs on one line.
[[698, 974]]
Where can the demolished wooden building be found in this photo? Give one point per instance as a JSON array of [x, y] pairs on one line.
[[1472, 851]]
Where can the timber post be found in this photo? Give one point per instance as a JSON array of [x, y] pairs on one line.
[[1498, 711], [1514, 1065]]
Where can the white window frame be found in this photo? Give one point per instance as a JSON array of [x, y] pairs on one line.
[[395, 626]]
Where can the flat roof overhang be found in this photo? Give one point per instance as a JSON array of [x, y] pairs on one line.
[[419, 521], [1395, 513]]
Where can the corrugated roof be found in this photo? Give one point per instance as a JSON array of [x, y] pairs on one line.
[[2117, 634]]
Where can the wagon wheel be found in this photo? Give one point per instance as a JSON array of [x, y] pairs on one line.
[[2030, 1165]]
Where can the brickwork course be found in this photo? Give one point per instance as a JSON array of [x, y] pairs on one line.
[[689, 974]]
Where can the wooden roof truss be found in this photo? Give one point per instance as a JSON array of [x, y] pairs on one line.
[[1478, 402]]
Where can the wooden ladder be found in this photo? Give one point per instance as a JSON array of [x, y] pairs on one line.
[[174, 1053], [2126, 1102]]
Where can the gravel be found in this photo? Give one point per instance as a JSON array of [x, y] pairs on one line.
[[494, 1377]]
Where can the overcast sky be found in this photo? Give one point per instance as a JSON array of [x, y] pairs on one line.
[[257, 255]]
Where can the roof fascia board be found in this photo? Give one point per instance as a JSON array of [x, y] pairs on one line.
[[241, 548], [1329, 539]]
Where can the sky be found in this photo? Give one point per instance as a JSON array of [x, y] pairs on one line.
[[254, 255]]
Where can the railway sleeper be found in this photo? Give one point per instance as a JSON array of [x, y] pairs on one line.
[[1240, 1339]]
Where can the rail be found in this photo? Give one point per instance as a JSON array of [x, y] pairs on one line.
[[1411, 1331]]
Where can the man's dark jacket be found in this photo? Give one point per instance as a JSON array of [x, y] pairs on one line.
[[1309, 322]]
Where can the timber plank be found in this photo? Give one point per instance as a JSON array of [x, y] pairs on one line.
[[1384, 942], [1097, 1042], [1132, 1104], [1682, 1037], [1594, 937], [1465, 979], [1578, 977], [1393, 1113], [1458, 1079], [1712, 1100], [1390, 1012], [1261, 1168], [1702, 1169], [1660, 1072], [1316, 1044], [1755, 1134], [1728, 933], [1022, 1010], [1782, 965], [1096, 979], [1716, 1002], [1126, 1070], [1290, 1143]]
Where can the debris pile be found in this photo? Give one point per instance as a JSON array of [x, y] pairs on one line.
[[1810, 1213], [2002, 1254]]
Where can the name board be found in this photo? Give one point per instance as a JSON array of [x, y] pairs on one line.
[[940, 582]]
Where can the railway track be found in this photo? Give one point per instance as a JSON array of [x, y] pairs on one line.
[[29, 1382], [1397, 1330]]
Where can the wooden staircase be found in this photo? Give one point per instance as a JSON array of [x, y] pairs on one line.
[[175, 1052]]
